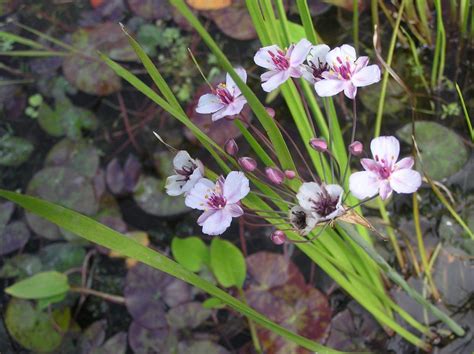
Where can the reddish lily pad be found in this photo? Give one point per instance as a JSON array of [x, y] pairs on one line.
[[147, 292], [188, 315], [14, 236], [85, 70], [123, 180], [151, 9], [144, 341]]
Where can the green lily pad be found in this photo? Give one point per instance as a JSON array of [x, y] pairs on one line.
[[14, 150], [80, 156], [21, 266], [395, 99], [63, 186], [85, 70], [191, 252], [151, 9], [442, 150], [62, 256], [14, 236], [32, 328], [150, 195], [227, 263]]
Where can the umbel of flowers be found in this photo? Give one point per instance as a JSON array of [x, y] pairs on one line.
[[316, 202]]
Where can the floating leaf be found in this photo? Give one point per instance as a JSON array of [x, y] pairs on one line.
[[442, 150], [20, 266], [93, 336], [117, 344], [14, 236], [47, 301], [6, 211], [395, 99], [41, 285], [62, 256], [86, 70], [148, 290], [132, 171], [150, 195], [191, 252], [188, 315], [201, 347], [234, 21], [145, 341], [227, 263], [35, 329], [14, 150], [151, 9], [115, 177]]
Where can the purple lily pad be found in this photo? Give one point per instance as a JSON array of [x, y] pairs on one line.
[[123, 180], [85, 70], [6, 211], [132, 170], [14, 236], [201, 347], [115, 177], [147, 292], [151, 9], [219, 131], [188, 315], [145, 341], [98, 181], [93, 336]]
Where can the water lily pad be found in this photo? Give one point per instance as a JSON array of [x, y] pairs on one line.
[[115, 177], [93, 336], [355, 330], [86, 70], [14, 236], [150, 195], [188, 315], [6, 211], [151, 9], [201, 347], [145, 341], [117, 344], [62, 256], [395, 99], [21, 266], [147, 292], [234, 21], [34, 329], [442, 150], [191, 252], [14, 150], [63, 186], [65, 119]]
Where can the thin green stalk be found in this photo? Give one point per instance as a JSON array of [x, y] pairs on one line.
[[416, 59], [33, 53], [383, 91], [253, 330], [283, 21], [10, 37], [355, 24], [440, 48], [466, 113], [307, 21]]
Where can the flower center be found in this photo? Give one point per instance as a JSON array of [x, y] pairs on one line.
[[342, 69], [325, 204], [279, 59], [318, 70], [216, 201], [223, 93], [187, 170], [385, 168]]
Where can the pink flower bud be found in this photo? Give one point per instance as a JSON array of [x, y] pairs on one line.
[[231, 147], [290, 174], [278, 237], [248, 164], [270, 111], [356, 148], [275, 175], [319, 144]]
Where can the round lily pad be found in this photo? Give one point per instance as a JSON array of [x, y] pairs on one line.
[[187, 315], [151, 196], [32, 328], [93, 336], [14, 150], [234, 21], [63, 186], [144, 341], [395, 99], [201, 347], [147, 292], [62, 256], [14, 236], [20, 266], [85, 70], [151, 9], [6, 211], [442, 150]]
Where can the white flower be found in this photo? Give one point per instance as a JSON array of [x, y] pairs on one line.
[[324, 201], [219, 201], [302, 220], [316, 63], [188, 172]]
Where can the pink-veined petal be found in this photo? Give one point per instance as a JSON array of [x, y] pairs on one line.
[[204, 216], [385, 149], [331, 57], [231, 109], [366, 76], [348, 52], [406, 162], [296, 72], [364, 184], [196, 198], [300, 52], [209, 103], [329, 87], [262, 57], [236, 187], [234, 210], [231, 85], [370, 165], [360, 63], [217, 223], [405, 181], [275, 80], [350, 90], [385, 190]]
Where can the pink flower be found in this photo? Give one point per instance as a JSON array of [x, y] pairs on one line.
[[281, 64], [226, 100], [220, 201], [346, 73], [188, 172], [383, 174]]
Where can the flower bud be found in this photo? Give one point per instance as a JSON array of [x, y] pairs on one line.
[[270, 111], [275, 175], [319, 144], [231, 147], [248, 164], [356, 148], [278, 237], [290, 174]]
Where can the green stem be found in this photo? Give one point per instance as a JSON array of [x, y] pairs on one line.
[[253, 330]]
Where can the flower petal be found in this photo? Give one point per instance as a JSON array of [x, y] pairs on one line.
[[329, 87], [385, 149], [209, 103], [231, 109], [182, 159], [275, 80], [262, 57], [216, 223], [405, 181], [236, 187], [174, 185], [360, 63], [385, 190], [364, 184], [370, 165], [196, 198], [348, 52], [406, 162], [317, 54], [331, 57], [235, 210], [300, 52], [350, 90], [366, 76], [231, 85], [307, 193]]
